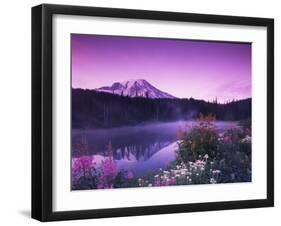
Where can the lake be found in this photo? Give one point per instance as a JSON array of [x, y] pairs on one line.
[[140, 149]]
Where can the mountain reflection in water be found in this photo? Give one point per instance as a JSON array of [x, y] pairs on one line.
[[140, 149]]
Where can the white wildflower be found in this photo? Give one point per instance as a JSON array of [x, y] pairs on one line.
[[216, 171], [212, 181], [247, 139]]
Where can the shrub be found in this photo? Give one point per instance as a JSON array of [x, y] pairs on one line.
[[84, 173], [201, 139]]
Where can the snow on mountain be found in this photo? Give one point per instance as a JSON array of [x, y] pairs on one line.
[[135, 88]]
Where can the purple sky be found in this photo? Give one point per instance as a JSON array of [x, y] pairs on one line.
[[183, 68]]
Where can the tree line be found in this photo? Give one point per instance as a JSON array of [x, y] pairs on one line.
[[92, 109]]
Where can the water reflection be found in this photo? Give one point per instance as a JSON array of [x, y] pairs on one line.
[[134, 148], [140, 141]]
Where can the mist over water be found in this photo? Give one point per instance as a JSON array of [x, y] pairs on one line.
[[140, 149]]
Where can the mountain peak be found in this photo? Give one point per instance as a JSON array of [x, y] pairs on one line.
[[135, 88]]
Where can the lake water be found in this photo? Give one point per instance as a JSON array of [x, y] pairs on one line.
[[140, 149]]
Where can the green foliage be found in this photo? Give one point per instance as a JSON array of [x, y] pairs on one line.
[[201, 139], [122, 180]]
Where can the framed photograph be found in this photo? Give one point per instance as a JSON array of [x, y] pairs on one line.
[[145, 112]]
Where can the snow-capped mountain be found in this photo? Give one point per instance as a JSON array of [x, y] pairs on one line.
[[135, 88]]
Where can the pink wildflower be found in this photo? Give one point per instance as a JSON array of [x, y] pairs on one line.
[[173, 181], [130, 175], [109, 172], [109, 168], [157, 182], [81, 166], [227, 140]]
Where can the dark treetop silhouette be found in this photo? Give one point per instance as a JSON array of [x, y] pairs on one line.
[[93, 109]]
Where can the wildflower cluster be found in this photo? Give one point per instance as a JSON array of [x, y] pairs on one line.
[[229, 152], [198, 172], [87, 174], [201, 139], [204, 156], [84, 174]]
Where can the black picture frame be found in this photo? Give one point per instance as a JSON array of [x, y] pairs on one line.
[[42, 107]]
